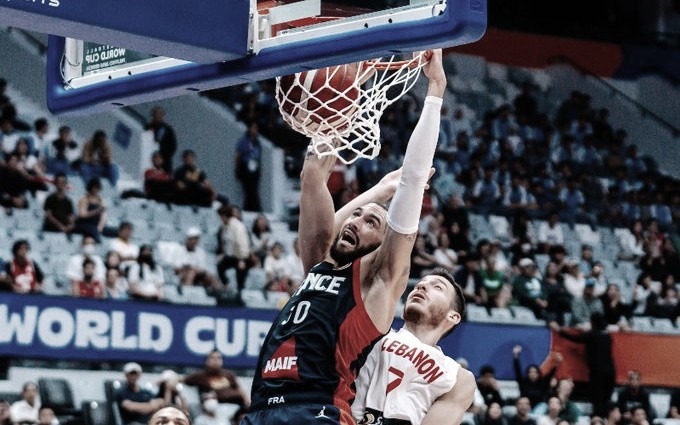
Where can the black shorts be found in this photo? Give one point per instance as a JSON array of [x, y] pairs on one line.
[[293, 414]]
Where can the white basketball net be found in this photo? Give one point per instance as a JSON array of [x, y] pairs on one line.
[[352, 131]]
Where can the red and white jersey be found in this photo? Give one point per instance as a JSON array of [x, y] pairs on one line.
[[401, 379]]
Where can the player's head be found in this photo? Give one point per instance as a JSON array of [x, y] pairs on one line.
[[436, 300], [170, 415], [360, 234]]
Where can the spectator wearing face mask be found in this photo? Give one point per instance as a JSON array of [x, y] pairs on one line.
[[209, 414], [88, 250]]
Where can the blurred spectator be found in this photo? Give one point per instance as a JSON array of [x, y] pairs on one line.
[[88, 251], [598, 273], [295, 267], [486, 194], [28, 161], [61, 154], [661, 212], [158, 184], [643, 292], [665, 305], [470, 278], [616, 311], [58, 207], [89, 286], [26, 410], [674, 410], [233, 247], [163, 136], [276, 267], [570, 410], [15, 182], [494, 292], [190, 262], [208, 415], [586, 262], [91, 217], [603, 132], [550, 233], [24, 274], [169, 391], [559, 299], [191, 183], [493, 415], [261, 235], [115, 285], [38, 138], [421, 259], [583, 307], [517, 197], [533, 385], [248, 163], [639, 416], [96, 159], [572, 204], [601, 369], [112, 260], [552, 415], [633, 395], [488, 385], [460, 123], [522, 415], [46, 416], [215, 378], [528, 289], [123, 245], [457, 225], [8, 135], [145, 276], [574, 279], [525, 103], [444, 255], [136, 403], [5, 282]]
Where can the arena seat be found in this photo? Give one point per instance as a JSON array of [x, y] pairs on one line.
[[97, 413], [57, 394]]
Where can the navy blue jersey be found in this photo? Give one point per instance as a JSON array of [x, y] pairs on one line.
[[317, 344]]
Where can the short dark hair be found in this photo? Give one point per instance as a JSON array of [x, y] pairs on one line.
[[487, 368], [87, 261], [188, 152], [459, 300], [94, 182], [179, 409], [40, 123], [18, 244]]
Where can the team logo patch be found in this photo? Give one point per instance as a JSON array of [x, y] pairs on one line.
[[283, 363]]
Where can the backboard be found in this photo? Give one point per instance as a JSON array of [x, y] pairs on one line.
[[283, 37]]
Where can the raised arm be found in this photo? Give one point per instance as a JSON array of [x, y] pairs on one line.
[[389, 272], [316, 221], [450, 408]]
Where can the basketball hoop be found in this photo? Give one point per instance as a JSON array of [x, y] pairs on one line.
[[339, 108]]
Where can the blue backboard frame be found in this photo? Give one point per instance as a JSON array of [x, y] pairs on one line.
[[461, 22]]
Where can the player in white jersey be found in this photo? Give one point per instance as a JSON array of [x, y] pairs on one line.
[[407, 379]]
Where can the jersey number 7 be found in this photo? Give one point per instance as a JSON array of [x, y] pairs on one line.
[[395, 383]]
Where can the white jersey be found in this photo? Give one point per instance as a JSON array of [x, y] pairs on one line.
[[401, 379]]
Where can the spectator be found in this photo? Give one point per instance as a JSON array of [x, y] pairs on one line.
[[586, 262], [208, 415], [632, 242], [495, 293], [639, 416], [552, 416], [112, 261], [26, 410], [421, 259], [28, 161], [170, 391], [522, 417], [570, 410], [58, 207], [96, 159], [61, 154], [158, 184], [528, 289], [276, 267], [146, 277], [583, 307], [601, 369], [74, 266], [444, 255], [46, 416], [486, 194], [488, 386], [574, 279], [8, 135], [136, 403], [191, 183], [116, 287], [5, 283], [91, 211], [190, 263], [597, 273], [24, 273], [533, 385], [470, 279], [550, 233], [559, 299], [674, 410], [493, 415], [15, 182], [39, 136], [248, 166], [215, 378], [295, 267], [572, 204], [123, 245], [88, 286], [613, 415], [163, 136], [616, 312], [261, 235], [233, 247]]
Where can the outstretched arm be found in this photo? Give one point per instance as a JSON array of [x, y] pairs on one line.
[[450, 408], [316, 222], [392, 263]]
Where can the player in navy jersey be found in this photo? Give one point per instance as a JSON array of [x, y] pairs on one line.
[[357, 262]]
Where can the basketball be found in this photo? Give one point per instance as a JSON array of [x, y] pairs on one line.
[[323, 100]]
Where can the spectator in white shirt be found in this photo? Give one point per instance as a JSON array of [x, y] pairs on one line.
[[190, 262], [550, 233], [275, 264], [127, 250], [233, 246], [74, 267], [295, 267], [26, 409], [146, 276]]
